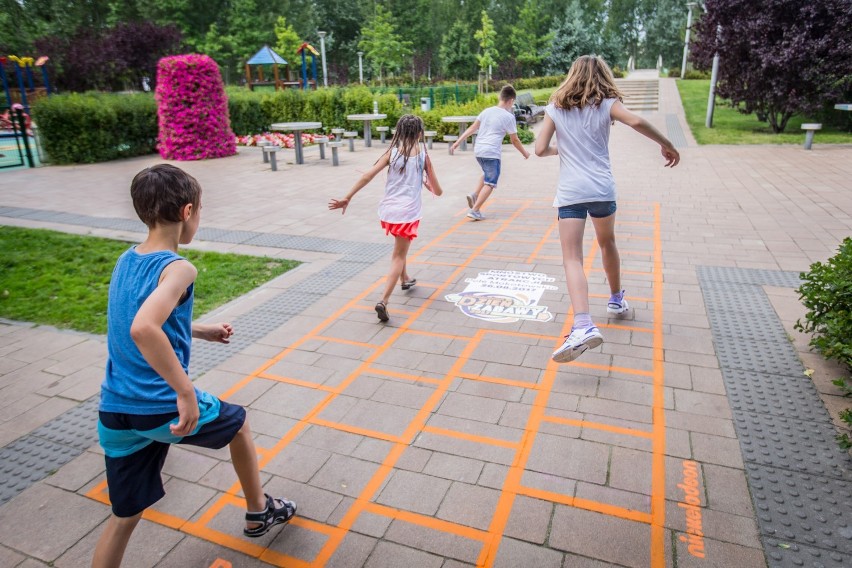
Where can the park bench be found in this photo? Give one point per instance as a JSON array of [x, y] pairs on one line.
[[334, 146], [382, 130], [351, 136], [430, 134], [269, 151], [526, 109], [449, 139], [810, 129]]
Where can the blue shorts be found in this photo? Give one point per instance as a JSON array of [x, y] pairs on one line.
[[490, 170], [136, 445], [596, 209]]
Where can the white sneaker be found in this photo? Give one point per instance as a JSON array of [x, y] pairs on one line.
[[475, 215], [471, 200], [616, 307], [577, 343]]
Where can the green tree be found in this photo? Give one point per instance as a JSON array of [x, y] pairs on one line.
[[486, 36], [664, 24], [288, 40], [382, 46], [572, 37], [529, 44], [457, 57]]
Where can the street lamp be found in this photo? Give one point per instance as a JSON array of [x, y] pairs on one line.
[[690, 5], [360, 66], [322, 51]]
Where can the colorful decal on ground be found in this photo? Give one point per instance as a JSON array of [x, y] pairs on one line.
[[691, 504], [504, 296]]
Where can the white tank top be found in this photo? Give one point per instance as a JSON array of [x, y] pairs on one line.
[[402, 201], [582, 137]]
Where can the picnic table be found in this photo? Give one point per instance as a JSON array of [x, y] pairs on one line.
[[843, 106], [368, 121], [296, 128], [463, 122]]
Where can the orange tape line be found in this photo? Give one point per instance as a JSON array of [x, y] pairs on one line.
[[471, 437], [598, 426]]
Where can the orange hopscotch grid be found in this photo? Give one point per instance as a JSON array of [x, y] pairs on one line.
[[489, 539]]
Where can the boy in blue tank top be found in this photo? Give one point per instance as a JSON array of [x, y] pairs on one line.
[[148, 401]]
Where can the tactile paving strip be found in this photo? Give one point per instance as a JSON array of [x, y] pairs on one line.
[[675, 131], [36, 455], [798, 477]]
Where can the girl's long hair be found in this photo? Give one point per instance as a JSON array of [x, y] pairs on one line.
[[408, 134], [589, 82]]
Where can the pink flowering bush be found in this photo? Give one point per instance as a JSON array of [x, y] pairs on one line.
[[279, 139], [192, 109]]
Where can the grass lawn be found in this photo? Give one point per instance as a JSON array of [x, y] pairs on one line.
[[732, 127], [62, 280]]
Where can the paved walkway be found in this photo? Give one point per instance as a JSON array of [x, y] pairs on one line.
[[690, 438]]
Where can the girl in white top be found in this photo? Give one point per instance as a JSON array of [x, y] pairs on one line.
[[400, 209], [580, 113]]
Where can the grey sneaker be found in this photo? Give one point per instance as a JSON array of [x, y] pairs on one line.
[[471, 200], [475, 215], [577, 343]]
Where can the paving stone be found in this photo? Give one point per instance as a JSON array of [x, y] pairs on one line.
[[721, 555], [469, 505], [578, 531], [313, 502], [454, 468], [71, 518], [9, 557], [513, 553], [192, 551], [436, 542], [298, 542], [344, 474], [704, 404], [565, 457], [390, 555], [352, 552], [630, 470], [529, 519], [78, 472], [148, 546], [411, 491], [717, 525], [329, 439], [716, 449], [297, 462], [380, 417], [788, 396]]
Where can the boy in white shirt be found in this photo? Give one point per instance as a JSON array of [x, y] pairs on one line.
[[493, 124]]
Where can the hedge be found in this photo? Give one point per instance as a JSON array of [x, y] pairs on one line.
[[96, 127]]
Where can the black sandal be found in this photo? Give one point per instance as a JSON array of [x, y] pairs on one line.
[[277, 511], [382, 311], [409, 284]]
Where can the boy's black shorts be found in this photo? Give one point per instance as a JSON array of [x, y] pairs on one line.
[[134, 478]]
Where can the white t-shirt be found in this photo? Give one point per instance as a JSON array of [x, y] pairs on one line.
[[402, 202], [494, 124], [582, 137]]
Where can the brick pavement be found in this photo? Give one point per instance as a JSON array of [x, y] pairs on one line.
[[439, 439]]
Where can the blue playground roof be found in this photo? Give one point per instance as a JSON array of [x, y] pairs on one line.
[[266, 56]]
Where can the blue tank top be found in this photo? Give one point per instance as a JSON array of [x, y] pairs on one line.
[[131, 385]]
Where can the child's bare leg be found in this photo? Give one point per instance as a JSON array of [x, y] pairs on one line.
[[398, 257], [605, 232], [484, 194], [113, 542], [571, 239], [244, 458], [403, 277]]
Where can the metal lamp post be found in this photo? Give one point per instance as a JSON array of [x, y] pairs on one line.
[[690, 5], [714, 76], [322, 52], [360, 66]]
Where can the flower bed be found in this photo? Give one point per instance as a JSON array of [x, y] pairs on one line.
[[279, 139]]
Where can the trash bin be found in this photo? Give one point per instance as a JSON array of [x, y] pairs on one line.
[[425, 103]]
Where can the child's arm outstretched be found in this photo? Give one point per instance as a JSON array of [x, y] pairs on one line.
[[516, 142], [219, 332], [471, 130], [620, 113], [545, 135], [147, 332], [432, 179], [364, 180]]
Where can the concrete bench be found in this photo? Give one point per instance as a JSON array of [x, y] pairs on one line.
[[322, 141], [269, 156], [450, 138], [382, 130], [262, 144], [351, 137], [430, 134], [334, 146], [810, 129], [338, 132]]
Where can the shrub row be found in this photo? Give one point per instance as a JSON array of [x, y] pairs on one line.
[[96, 127]]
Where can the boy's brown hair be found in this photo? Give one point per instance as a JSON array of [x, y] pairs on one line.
[[160, 192], [507, 93], [589, 82]]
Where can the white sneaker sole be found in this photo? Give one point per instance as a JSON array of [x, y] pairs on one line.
[[625, 307], [568, 355], [470, 201]]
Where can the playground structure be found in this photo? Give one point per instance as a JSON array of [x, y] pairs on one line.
[[267, 56], [26, 91]]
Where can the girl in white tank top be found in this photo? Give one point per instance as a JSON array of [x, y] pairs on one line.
[[409, 169], [580, 114]]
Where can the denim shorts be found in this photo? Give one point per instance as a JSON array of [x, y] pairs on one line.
[[490, 170], [596, 209]]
